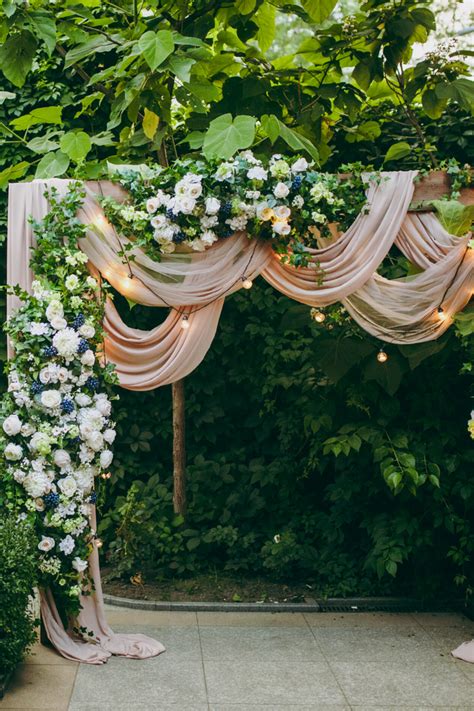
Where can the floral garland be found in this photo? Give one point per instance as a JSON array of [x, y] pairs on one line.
[[56, 416], [194, 203]]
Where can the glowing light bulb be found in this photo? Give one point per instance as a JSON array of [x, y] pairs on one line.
[[185, 322], [100, 221], [441, 313], [106, 475], [382, 357], [99, 543], [247, 283], [319, 316]]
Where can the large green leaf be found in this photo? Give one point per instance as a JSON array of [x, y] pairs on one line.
[[87, 49], [76, 145], [156, 47], [337, 357], [397, 151], [12, 173], [225, 136], [51, 165], [455, 217], [388, 375], [46, 114], [16, 57], [319, 10], [274, 129], [265, 19], [44, 27], [418, 352]]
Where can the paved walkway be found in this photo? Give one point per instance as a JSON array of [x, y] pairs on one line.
[[263, 662]]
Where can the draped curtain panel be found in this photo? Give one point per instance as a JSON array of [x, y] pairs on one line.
[[400, 311]]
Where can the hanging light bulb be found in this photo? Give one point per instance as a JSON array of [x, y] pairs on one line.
[[319, 316], [441, 313], [99, 543], [106, 475], [185, 322], [100, 221], [247, 283], [382, 357]]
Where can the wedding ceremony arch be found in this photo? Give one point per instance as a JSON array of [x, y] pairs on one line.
[[193, 285]]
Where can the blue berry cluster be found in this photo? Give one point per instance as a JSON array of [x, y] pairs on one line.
[[67, 406], [225, 209], [92, 383], [179, 237], [50, 351], [51, 500], [36, 387], [74, 440], [83, 345], [78, 321], [296, 184], [93, 498], [171, 215]]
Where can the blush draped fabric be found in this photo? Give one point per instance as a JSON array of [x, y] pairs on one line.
[[401, 311]]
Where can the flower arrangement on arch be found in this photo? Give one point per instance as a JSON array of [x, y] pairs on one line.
[[195, 203], [56, 421]]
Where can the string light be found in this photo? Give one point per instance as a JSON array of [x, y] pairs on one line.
[[106, 475], [99, 543], [185, 322], [247, 283], [319, 316], [441, 313], [382, 357], [100, 221]]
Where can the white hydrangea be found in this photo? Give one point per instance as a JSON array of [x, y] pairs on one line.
[[39, 328], [37, 484], [66, 342], [67, 545]]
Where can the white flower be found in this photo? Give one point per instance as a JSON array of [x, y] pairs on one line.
[[27, 429], [12, 425], [238, 223], [91, 283], [252, 194], [50, 398], [45, 375], [279, 168], [194, 190], [62, 458], [318, 216], [72, 282], [300, 165], [63, 374], [282, 212], [103, 404], [152, 205], [79, 564], [67, 545], [19, 476], [281, 227], [40, 443], [58, 323], [109, 435], [85, 478], [224, 172], [39, 504], [13, 452], [88, 358], [95, 441], [87, 331], [67, 486], [46, 544], [37, 484], [185, 205], [209, 221], [83, 400], [54, 310], [209, 237], [39, 328], [281, 190], [159, 221], [212, 206], [298, 201], [106, 458], [66, 342], [257, 173]]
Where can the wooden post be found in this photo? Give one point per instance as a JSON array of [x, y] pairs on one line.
[[179, 448]]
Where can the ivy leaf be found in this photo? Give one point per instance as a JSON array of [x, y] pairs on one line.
[[397, 151], [156, 47], [455, 217], [46, 114], [76, 145], [319, 10], [150, 124], [225, 136], [16, 57], [52, 164], [44, 27], [12, 173]]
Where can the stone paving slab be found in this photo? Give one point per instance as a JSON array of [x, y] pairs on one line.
[[217, 661]]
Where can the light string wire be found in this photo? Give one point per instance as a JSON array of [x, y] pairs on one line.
[[181, 311]]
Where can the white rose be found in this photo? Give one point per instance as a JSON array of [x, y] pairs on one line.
[[209, 237], [87, 331], [79, 564], [62, 458], [91, 282], [19, 476], [281, 190], [66, 342], [95, 441], [63, 375], [58, 323], [109, 436], [39, 504], [282, 212], [67, 486], [300, 165], [13, 452], [212, 206], [159, 221], [88, 358], [45, 376], [46, 544], [198, 245], [186, 205], [50, 398], [12, 425], [281, 228], [83, 400], [27, 429], [194, 190], [103, 405], [54, 310], [106, 458], [152, 205]]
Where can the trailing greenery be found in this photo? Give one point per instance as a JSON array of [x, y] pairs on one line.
[[17, 579]]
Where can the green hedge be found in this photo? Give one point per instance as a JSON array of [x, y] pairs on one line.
[[17, 579]]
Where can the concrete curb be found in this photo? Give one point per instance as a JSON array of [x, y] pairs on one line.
[[356, 604]]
